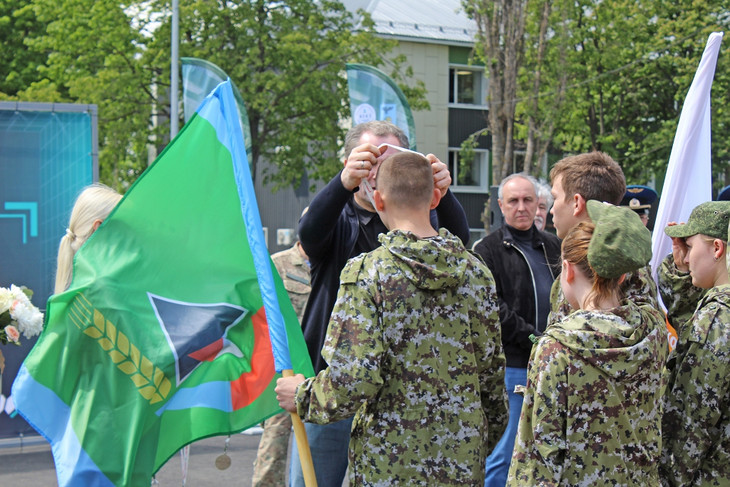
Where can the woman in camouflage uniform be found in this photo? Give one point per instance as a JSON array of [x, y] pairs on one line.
[[696, 423], [589, 416]]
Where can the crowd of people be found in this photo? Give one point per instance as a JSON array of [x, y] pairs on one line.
[[570, 327], [532, 358]]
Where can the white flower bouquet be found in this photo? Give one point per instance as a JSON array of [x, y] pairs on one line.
[[18, 315]]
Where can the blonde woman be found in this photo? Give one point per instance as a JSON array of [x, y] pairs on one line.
[[696, 423], [92, 206]]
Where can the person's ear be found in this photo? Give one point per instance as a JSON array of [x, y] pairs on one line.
[[499, 203], [569, 271], [378, 200], [718, 248], [436, 198], [621, 279], [579, 204], [97, 224]]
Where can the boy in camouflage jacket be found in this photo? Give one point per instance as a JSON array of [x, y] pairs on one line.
[[590, 414], [413, 348]]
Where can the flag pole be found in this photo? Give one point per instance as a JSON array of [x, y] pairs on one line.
[[174, 41], [305, 455]]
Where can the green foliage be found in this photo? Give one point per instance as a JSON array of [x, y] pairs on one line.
[[287, 58], [93, 55], [18, 65], [630, 70], [627, 66]]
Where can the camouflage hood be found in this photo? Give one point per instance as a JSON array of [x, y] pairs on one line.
[[429, 263], [622, 343]]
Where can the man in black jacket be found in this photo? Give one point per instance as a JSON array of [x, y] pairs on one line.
[[524, 261]]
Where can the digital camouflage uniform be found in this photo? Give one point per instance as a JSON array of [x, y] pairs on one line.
[[639, 288], [414, 350], [271, 457], [590, 414], [696, 423]]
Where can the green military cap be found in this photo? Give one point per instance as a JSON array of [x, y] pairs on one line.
[[709, 219], [620, 243]]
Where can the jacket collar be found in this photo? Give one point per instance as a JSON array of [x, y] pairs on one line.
[[508, 236]]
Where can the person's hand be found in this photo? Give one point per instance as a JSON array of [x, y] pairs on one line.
[[679, 251], [358, 165], [441, 175], [286, 388]]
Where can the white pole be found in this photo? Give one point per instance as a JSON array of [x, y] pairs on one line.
[[173, 71]]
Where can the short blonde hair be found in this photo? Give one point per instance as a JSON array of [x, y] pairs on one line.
[[95, 202]]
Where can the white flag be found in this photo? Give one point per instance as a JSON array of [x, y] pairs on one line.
[[689, 174]]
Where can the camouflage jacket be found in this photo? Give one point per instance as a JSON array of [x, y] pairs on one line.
[[294, 272], [678, 294], [414, 349], [696, 424], [639, 288], [590, 414]]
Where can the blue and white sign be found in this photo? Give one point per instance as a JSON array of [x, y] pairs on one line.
[[47, 155]]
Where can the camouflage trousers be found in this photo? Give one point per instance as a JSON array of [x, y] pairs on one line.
[[270, 466]]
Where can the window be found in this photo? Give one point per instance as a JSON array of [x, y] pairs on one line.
[[472, 176], [467, 86]]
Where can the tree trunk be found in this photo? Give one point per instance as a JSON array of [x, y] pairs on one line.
[[501, 29], [532, 129]]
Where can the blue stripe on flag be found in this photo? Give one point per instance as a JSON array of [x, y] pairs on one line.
[[43, 410], [215, 395], [228, 128]]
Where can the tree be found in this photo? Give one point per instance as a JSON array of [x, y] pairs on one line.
[[93, 55], [631, 66], [287, 59], [499, 45], [542, 79], [596, 75], [18, 66]]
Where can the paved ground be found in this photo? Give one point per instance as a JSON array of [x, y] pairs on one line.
[[32, 464]]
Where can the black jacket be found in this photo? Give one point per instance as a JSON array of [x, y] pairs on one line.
[[328, 232], [516, 288]]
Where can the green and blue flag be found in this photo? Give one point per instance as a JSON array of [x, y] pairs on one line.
[[176, 322]]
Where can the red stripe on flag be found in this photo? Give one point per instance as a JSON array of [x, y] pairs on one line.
[[250, 385]]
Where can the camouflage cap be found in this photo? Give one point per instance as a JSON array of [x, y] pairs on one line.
[[709, 219], [620, 243]]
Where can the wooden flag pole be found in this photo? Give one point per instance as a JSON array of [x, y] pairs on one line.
[[305, 455]]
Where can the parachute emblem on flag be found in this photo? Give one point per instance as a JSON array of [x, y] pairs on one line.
[[197, 332]]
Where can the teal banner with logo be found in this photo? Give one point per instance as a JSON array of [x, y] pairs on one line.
[[375, 96]]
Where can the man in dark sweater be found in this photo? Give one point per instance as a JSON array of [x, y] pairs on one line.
[[342, 223], [524, 261]]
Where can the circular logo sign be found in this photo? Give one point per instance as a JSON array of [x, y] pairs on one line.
[[364, 113]]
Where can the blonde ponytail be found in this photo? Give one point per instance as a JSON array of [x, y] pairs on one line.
[[93, 204]]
